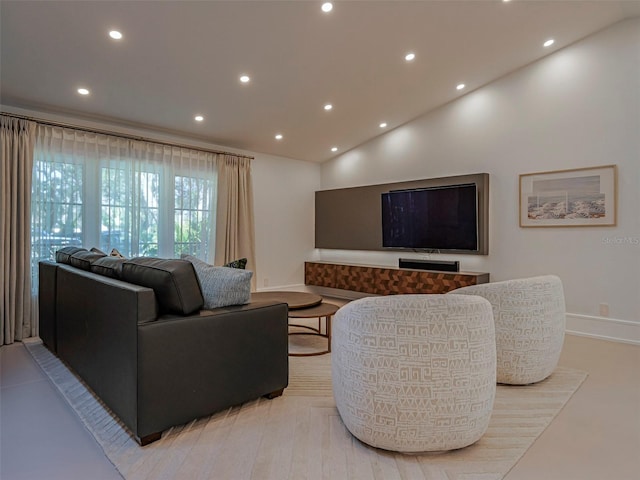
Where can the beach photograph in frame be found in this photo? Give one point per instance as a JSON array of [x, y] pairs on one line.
[[581, 197]]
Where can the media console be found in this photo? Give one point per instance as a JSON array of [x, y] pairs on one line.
[[387, 280]]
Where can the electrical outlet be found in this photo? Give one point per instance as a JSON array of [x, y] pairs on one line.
[[604, 309]]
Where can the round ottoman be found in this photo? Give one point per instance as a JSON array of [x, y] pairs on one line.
[[415, 373], [529, 316]]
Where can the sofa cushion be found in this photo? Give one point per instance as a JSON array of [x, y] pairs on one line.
[[84, 259], [64, 254], [222, 286], [173, 281], [108, 266]]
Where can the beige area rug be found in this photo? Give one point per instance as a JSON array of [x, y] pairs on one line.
[[300, 435]]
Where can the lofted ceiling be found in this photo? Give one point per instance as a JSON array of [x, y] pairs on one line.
[[178, 59]]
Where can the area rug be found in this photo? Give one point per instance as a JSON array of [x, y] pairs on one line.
[[300, 435]]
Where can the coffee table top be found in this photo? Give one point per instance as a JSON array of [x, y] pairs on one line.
[[293, 299], [323, 309]]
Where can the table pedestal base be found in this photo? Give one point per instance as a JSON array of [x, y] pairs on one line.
[[323, 311], [314, 331]]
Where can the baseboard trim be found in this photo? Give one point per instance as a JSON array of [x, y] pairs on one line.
[[611, 329], [299, 287]]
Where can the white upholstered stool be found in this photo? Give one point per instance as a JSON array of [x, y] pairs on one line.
[[415, 373], [529, 316]]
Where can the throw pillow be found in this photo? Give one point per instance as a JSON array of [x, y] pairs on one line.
[[97, 250], [239, 263], [116, 253], [222, 286]]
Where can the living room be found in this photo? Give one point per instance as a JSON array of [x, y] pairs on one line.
[[576, 107]]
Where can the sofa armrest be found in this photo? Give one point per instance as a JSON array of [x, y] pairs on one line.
[[189, 367], [96, 334], [47, 272]]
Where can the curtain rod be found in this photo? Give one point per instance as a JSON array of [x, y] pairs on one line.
[[121, 135]]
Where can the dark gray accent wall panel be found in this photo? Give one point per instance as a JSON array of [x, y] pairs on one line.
[[350, 218]]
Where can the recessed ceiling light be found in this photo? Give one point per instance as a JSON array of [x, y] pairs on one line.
[[83, 91], [328, 107], [409, 57], [334, 149], [279, 136], [198, 118], [327, 7], [383, 124], [245, 78], [115, 34], [460, 86], [549, 42]]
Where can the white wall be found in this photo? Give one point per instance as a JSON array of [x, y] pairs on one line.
[[578, 107], [284, 216], [283, 201]]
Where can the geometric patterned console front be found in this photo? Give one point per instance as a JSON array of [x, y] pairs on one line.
[[387, 280], [415, 373]]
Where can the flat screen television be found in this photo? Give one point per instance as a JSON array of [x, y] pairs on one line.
[[437, 218]]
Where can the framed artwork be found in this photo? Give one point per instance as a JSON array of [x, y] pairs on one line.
[[582, 197]]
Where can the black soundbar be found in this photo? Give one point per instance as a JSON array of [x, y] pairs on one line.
[[441, 265]]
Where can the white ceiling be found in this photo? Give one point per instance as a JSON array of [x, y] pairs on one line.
[[181, 58]]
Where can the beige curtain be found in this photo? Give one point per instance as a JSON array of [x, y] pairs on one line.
[[16, 162], [235, 237]]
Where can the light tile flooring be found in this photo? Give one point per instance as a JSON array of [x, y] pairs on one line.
[[596, 436], [40, 435]]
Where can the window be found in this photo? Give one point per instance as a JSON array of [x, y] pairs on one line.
[[140, 198], [193, 222], [129, 211], [57, 209]]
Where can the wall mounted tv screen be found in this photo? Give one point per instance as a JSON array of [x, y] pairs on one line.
[[438, 218]]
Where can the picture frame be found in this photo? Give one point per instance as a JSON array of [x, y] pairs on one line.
[[580, 197]]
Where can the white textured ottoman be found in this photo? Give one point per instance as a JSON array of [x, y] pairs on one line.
[[529, 314], [415, 373]]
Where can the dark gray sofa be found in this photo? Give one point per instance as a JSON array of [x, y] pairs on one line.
[[156, 370]]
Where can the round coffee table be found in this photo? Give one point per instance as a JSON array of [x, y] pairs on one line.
[[322, 310], [295, 300]]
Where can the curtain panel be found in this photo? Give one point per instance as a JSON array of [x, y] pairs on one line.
[[16, 160], [235, 234]]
